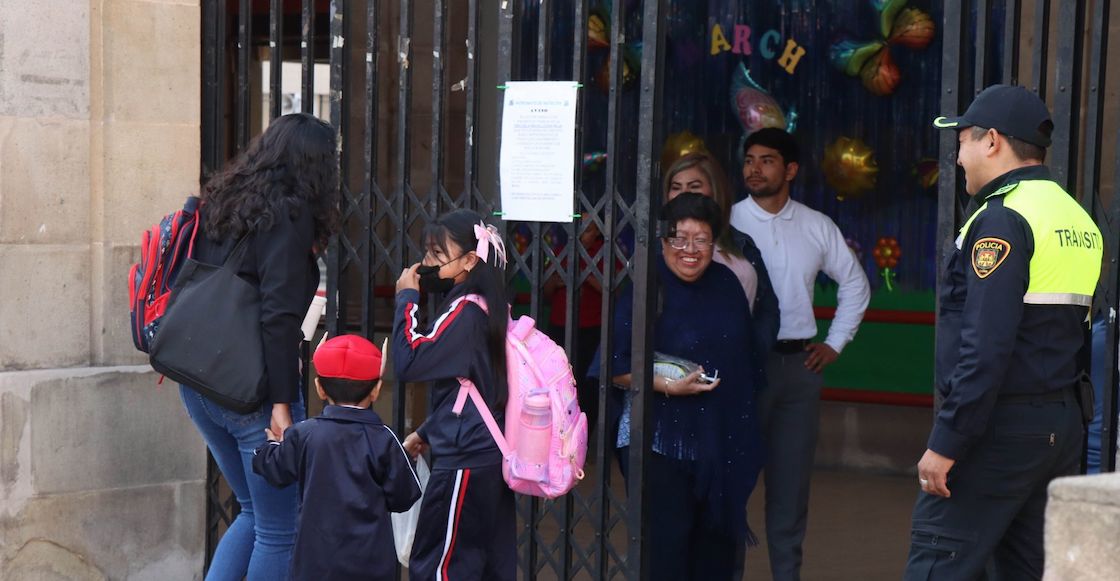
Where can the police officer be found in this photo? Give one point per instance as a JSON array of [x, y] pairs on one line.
[[1015, 300]]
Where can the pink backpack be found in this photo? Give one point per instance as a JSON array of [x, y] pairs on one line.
[[545, 438]]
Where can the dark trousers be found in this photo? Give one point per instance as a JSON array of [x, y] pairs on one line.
[[790, 410], [682, 547], [992, 522], [467, 527]]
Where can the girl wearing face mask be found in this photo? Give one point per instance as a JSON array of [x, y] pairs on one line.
[[467, 521]]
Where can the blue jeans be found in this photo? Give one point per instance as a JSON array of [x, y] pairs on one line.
[[258, 544]]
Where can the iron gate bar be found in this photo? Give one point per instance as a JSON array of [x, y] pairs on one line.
[[1011, 36], [211, 83], [613, 201], [370, 191], [1094, 113], [1041, 46], [646, 203], [980, 52], [1067, 94], [954, 30], [335, 310], [470, 152], [437, 192], [307, 57], [276, 58], [1110, 405], [572, 273], [1091, 201], [242, 105]]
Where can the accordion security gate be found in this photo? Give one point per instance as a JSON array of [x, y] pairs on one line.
[[412, 95], [376, 52]]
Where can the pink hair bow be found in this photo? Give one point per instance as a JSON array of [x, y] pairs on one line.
[[488, 237]]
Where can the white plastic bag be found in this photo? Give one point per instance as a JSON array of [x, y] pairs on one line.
[[404, 523]]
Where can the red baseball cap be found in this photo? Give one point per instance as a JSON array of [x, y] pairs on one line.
[[348, 357]]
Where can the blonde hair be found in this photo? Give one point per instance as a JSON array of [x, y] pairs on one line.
[[721, 194]]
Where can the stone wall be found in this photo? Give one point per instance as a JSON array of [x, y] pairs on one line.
[[101, 473], [1082, 525]]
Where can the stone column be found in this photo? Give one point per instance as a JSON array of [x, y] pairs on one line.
[[101, 473]]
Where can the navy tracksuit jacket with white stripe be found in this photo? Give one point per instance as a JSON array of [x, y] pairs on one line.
[[352, 473], [467, 526]]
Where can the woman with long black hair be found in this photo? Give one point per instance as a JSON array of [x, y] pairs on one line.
[[281, 196], [467, 525]]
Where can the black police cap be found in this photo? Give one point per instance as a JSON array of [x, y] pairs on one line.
[[1008, 109]]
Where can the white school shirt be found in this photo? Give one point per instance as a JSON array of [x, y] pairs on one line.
[[796, 244]]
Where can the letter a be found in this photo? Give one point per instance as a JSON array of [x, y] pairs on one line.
[[742, 39], [719, 41], [791, 56]]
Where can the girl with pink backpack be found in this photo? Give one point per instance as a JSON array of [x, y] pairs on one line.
[[467, 524]]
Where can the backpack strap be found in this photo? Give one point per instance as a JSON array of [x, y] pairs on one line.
[[467, 388]]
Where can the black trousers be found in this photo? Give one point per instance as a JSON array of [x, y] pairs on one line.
[[467, 528], [682, 547], [991, 525]]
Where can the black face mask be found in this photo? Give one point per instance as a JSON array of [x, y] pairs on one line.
[[430, 282]]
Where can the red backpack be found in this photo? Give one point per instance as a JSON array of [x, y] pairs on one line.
[[164, 248]]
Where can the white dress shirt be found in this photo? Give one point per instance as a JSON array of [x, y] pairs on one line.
[[796, 244]]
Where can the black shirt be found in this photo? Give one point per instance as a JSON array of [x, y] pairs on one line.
[[280, 263]]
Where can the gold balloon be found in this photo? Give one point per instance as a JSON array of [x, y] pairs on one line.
[[679, 145], [598, 31], [849, 167]]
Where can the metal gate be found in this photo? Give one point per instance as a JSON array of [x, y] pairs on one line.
[[381, 55], [414, 97], [1060, 51]]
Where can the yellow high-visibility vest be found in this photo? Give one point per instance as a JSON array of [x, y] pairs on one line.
[[1068, 247]]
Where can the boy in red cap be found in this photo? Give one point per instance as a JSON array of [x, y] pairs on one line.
[[351, 469]]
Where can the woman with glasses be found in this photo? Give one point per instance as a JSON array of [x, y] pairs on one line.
[[700, 173], [706, 449]]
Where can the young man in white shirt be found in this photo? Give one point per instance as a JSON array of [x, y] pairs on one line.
[[797, 243]]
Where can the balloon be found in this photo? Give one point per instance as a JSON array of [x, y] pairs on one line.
[[598, 30], [926, 171], [849, 167], [679, 145], [872, 61], [594, 160], [913, 29], [755, 107], [888, 10], [880, 75], [849, 57], [631, 65]]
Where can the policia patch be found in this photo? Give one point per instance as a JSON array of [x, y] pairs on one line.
[[988, 254]]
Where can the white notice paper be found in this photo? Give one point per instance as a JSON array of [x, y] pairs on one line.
[[538, 151]]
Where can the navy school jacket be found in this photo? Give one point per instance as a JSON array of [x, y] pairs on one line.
[[454, 346], [352, 473]]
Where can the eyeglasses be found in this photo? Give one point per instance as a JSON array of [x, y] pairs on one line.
[[681, 243]]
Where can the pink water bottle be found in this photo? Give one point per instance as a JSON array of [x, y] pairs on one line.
[[536, 431]]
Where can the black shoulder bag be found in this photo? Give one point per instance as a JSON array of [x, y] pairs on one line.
[[210, 337]]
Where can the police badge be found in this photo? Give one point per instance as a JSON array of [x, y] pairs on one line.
[[988, 254]]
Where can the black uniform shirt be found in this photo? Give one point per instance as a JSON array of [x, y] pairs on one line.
[[352, 473], [989, 342], [455, 346]]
